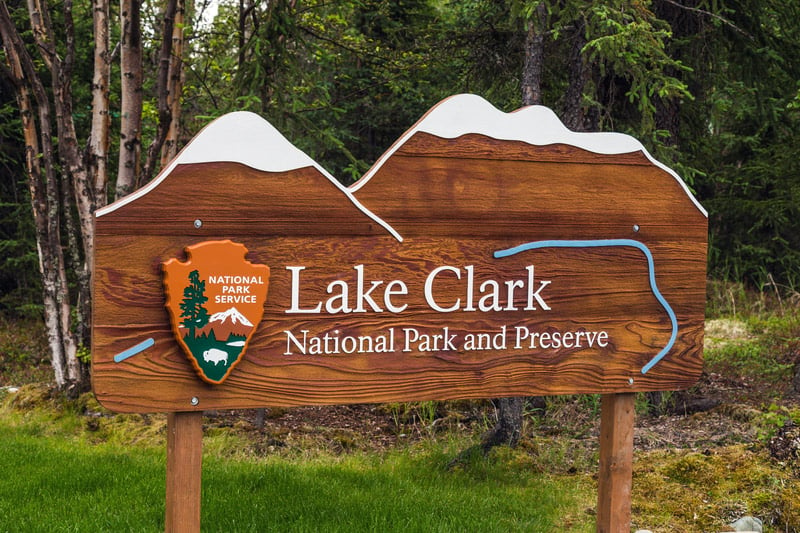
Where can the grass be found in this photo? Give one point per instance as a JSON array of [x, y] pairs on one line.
[[57, 486], [70, 473], [409, 491], [759, 347]]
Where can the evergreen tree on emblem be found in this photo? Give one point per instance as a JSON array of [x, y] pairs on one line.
[[193, 312]]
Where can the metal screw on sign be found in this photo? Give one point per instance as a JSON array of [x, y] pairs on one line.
[[630, 381], [195, 400], [635, 227], [198, 223]]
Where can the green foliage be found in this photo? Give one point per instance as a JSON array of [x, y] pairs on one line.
[[84, 354], [407, 415], [742, 131], [627, 40], [20, 285], [748, 358], [342, 81], [775, 417], [193, 311]]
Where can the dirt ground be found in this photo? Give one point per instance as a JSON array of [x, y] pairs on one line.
[[718, 411]]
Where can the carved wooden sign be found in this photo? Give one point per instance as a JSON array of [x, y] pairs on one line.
[[484, 254]]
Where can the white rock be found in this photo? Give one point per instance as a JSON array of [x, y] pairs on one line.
[[748, 523]]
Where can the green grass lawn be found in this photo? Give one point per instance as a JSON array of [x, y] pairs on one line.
[[53, 484], [56, 479]]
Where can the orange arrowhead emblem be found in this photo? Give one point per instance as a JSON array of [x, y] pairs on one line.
[[215, 302]]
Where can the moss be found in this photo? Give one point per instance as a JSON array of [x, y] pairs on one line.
[[127, 430], [694, 469], [788, 507], [689, 491], [29, 397]]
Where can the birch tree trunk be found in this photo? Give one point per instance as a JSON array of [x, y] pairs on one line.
[[164, 114], [97, 148], [78, 176], [79, 184], [61, 74], [130, 143], [175, 81], [42, 182]]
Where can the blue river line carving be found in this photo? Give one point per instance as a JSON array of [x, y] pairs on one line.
[[598, 243], [133, 350]]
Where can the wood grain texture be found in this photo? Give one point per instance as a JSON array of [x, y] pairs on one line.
[[233, 199], [477, 146], [184, 472], [452, 210], [460, 197], [615, 479]]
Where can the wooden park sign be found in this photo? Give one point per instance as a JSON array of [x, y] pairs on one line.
[[485, 254]]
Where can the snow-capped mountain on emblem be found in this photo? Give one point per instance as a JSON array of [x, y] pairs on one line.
[[234, 315], [227, 324]]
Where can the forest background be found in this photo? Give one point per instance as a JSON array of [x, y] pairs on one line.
[[95, 97]]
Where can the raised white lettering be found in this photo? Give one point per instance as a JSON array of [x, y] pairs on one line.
[[295, 292], [534, 295], [429, 290]]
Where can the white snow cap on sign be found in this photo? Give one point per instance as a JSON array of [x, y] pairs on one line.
[[244, 137], [537, 125]]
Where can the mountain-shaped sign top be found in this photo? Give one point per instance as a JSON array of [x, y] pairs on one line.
[[246, 138]]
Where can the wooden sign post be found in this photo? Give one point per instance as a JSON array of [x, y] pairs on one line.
[[616, 462], [184, 469], [485, 254]]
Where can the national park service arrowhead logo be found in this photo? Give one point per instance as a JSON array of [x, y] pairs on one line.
[[215, 302]]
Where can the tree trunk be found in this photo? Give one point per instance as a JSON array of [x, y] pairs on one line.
[[68, 150], [83, 183], [534, 58], [508, 429], [175, 80], [245, 8], [44, 195], [579, 73], [97, 148], [164, 114], [509, 412], [80, 184], [668, 119], [130, 98]]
